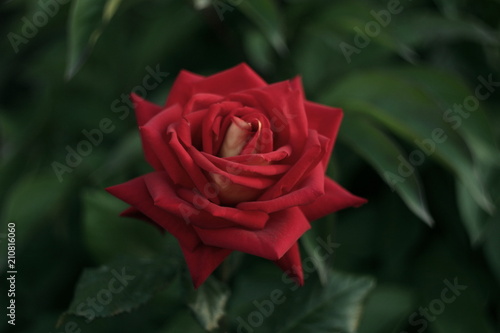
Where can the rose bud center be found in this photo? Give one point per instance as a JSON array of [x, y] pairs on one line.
[[236, 142], [236, 138]]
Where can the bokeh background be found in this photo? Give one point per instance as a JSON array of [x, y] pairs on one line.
[[406, 74]]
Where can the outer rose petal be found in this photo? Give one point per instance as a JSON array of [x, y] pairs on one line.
[[154, 142], [308, 191], [290, 263], [201, 101], [202, 261], [283, 229], [283, 103], [334, 199], [182, 91], [314, 149], [326, 120], [135, 193], [196, 208], [240, 77], [134, 213], [144, 110], [162, 140]]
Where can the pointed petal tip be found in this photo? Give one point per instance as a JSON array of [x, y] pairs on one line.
[[358, 201]]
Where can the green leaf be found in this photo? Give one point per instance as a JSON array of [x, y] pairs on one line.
[[127, 152], [201, 4], [266, 16], [119, 287], [447, 90], [258, 50], [471, 214], [397, 304], [492, 245], [319, 262], [491, 229], [182, 322], [413, 115], [421, 27], [33, 202], [336, 307], [86, 24], [107, 235], [387, 159], [33, 197], [208, 303]]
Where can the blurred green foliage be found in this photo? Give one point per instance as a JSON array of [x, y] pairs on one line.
[[405, 74]]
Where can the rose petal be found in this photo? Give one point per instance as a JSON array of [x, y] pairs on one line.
[[238, 78], [263, 137], [144, 110], [290, 263], [248, 169], [135, 193], [231, 193], [201, 101], [313, 152], [311, 188], [281, 232], [334, 199], [202, 261], [237, 217], [260, 159], [236, 137], [189, 166], [283, 103], [224, 176], [216, 122], [134, 213], [326, 120], [182, 89], [196, 209], [156, 148]]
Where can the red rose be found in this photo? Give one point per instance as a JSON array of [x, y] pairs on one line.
[[239, 165]]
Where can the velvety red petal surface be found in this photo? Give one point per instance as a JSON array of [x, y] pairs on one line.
[[241, 179], [136, 194], [334, 199], [197, 209], [240, 77], [189, 169], [134, 213], [311, 188], [284, 106], [202, 261], [291, 264], [144, 110], [326, 120], [238, 217], [201, 101], [154, 141], [313, 152], [282, 230], [250, 169], [182, 90]]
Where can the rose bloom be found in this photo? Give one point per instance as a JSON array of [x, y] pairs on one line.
[[239, 165]]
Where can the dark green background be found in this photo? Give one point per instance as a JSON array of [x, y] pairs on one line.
[[394, 91]]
